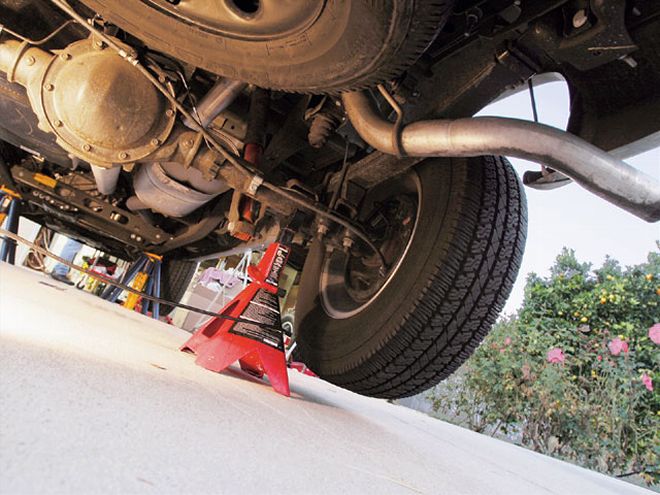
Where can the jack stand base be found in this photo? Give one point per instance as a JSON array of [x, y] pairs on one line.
[[256, 341]]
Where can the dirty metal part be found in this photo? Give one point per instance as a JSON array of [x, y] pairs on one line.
[[219, 97], [324, 117], [106, 178], [202, 229], [258, 117], [545, 180], [101, 109], [87, 210], [373, 169], [323, 124], [38, 42], [289, 139], [594, 169], [238, 225], [157, 189]]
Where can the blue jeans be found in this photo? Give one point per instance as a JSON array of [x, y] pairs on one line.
[[69, 252]]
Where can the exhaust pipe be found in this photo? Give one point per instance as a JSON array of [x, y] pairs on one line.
[[592, 168], [219, 97]]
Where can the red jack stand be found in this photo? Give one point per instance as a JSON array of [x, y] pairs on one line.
[[256, 341]]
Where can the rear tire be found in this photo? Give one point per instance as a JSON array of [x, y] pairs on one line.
[[451, 285], [346, 45], [175, 277]]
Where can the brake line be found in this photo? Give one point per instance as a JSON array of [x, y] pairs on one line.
[[103, 278], [255, 178]]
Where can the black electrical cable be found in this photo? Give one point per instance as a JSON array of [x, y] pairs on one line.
[[128, 288], [231, 158]]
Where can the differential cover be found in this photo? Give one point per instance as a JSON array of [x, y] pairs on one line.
[[101, 108]]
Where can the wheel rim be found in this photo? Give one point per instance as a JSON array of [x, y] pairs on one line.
[[349, 284], [244, 19]]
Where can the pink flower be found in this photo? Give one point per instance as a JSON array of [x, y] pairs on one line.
[[654, 333], [555, 355], [648, 382], [507, 341], [617, 346], [600, 358]]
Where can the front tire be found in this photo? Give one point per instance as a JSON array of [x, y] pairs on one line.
[[175, 277], [451, 284]]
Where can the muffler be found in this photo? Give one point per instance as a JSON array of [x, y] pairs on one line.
[[592, 168]]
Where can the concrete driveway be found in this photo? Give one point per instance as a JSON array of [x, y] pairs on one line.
[[97, 399]]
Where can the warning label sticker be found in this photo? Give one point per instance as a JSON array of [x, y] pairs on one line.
[[263, 309]]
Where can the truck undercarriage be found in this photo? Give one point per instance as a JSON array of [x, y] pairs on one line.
[[201, 131]]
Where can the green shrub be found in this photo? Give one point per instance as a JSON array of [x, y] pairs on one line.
[[573, 374]]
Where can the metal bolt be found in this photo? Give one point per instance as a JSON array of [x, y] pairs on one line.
[[87, 147], [169, 113], [580, 18], [99, 44], [65, 56], [155, 142], [157, 236], [30, 60], [49, 87], [629, 60], [132, 236], [58, 123], [138, 238], [123, 155]]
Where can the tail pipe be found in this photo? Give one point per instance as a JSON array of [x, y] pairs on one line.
[[592, 168]]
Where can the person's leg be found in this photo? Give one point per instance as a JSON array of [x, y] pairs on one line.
[[69, 251]]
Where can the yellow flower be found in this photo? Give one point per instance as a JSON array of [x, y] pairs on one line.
[[603, 300], [593, 374], [649, 276], [609, 277], [584, 319]]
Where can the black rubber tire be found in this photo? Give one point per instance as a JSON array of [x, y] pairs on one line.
[[351, 45], [175, 277], [446, 295]]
